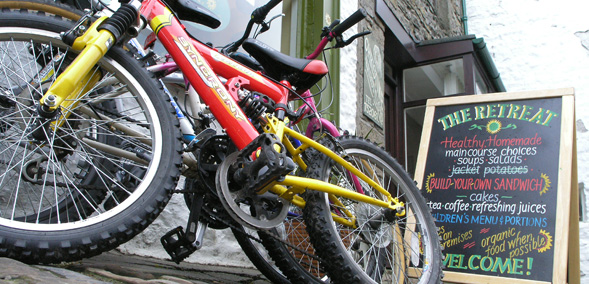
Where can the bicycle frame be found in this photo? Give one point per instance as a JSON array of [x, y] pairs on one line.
[[202, 65]]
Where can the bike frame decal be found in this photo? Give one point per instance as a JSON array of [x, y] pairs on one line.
[[206, 74], [161, 21], [241, 131], [253, 75]]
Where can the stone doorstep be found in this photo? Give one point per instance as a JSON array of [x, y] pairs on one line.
[[122, 268], [17, 272], [142, 267]]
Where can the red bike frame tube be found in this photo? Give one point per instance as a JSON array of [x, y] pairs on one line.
[[172, 35]]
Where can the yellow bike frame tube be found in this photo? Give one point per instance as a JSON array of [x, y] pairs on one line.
[[342, 162], [322, 186], [95, 44], [274, 125], [296, 154], [289, 194]]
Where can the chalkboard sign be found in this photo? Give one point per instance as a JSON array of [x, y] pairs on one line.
[[496, 171]]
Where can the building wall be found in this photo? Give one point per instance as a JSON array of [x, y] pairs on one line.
[[364, 126], [542, 45], [422, 19], [429, 19], [348, 65]]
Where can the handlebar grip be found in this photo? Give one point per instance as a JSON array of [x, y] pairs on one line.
[[350, 21], [259, 14]]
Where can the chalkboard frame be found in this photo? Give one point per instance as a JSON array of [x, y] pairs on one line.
[[566, 247]]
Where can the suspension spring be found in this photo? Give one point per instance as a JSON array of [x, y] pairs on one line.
[[121, 20], [252, 105]]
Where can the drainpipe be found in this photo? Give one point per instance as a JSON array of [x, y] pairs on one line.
[[480, 47], [464, 17]]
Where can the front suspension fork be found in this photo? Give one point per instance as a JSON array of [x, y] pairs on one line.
[[79, 73], [82, 74]]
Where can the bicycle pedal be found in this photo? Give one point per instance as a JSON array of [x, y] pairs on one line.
[[176, 245], [264, 160]]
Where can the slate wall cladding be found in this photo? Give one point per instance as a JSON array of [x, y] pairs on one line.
[[429, 19], [423, 20], [364, 126]]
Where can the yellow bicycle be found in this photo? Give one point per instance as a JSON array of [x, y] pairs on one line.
[[91, 149]]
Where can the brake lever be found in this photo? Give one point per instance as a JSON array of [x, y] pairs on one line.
[[266, 25], [341, 43]]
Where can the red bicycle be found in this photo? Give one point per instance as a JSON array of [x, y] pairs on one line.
[[92, 151]]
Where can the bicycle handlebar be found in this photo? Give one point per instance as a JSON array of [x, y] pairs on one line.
[[260, 13], [349, 22], [330, 32], [258, 16]]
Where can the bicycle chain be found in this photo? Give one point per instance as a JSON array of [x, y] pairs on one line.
[[313, 162], [250, 236], [231, 224], [227, 221], [207, 211]]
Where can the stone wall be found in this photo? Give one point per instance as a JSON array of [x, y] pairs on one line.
[[429, 19], [423, 20], [365, 127]]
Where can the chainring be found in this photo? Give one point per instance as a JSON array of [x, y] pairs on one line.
[[256, 211], [210, 155]]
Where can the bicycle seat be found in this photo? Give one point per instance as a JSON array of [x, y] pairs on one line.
[[302, 74], [189, 10], [247, 60]]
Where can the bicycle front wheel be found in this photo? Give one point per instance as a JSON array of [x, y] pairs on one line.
[[380, 248], [98, 172]]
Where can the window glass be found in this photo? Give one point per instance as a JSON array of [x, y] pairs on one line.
[[234, 15], [422, 83], [480, 86], [433, 80], [413, 125]]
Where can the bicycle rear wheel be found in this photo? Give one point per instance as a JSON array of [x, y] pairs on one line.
[[381, 248], [100, 171]]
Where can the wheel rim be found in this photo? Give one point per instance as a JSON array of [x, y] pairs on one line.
[[386, 250], [35, 197]]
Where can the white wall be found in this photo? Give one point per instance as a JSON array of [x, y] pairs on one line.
[[542, 44], [348, 66]]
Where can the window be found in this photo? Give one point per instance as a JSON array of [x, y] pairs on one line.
[[413, 117], [480, 85], [460, 65], [422, 83], [234, 15], [433, 80]]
